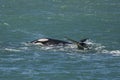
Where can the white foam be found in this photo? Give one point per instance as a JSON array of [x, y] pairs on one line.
[[6, 24], [12, 50], [113, 52]]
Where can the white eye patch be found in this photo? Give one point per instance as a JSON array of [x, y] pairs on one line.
[[42, 40]]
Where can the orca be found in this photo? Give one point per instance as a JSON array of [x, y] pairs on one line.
[[49, 41], [81, 45]]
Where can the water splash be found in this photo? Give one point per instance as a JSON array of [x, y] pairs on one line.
[[99, 48], [72, 48], [113, 52]]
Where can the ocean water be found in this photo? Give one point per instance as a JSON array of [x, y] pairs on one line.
[[22, 21]]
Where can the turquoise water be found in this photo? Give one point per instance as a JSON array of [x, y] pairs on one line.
[[22, 21]]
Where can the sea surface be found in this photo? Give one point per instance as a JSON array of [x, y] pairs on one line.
[[22, 21]]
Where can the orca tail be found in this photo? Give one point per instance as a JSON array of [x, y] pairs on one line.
[[79, 46]]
